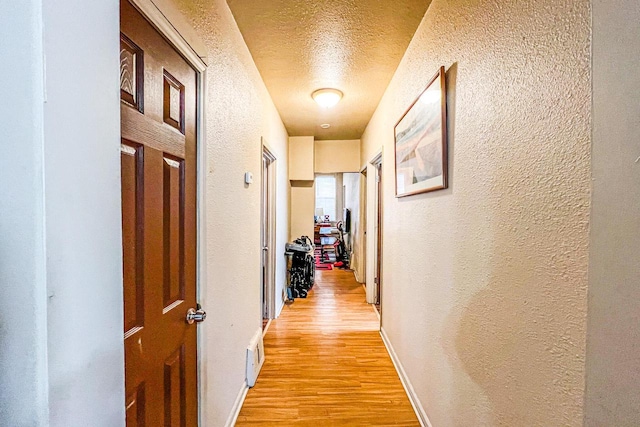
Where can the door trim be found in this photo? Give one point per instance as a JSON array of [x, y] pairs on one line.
[[170, 31], [377, 159], [272, 195], [362, 229], [371, 220], [379, 207], [166, 28]]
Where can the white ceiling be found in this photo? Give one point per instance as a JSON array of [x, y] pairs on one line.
[[351, 45]]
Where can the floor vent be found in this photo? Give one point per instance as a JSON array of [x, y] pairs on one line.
[[255, 358]]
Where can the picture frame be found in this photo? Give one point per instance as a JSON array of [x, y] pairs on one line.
[[420, 141]]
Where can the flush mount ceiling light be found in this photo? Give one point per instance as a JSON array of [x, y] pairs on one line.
[[327, 98], [325, 126]]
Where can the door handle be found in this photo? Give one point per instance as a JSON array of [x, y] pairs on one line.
[[194, 315], [265, 248]]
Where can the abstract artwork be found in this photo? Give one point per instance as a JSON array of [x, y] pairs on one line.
[[421, 142]]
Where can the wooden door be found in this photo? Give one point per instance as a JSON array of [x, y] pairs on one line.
[[158, 152]]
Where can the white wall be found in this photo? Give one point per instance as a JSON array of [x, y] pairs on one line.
[[65, 162], [303, 201], [301, 158], [239, 112], [352, 201], [82, 181], [613, 339], [334, 156], [23, 303], [484, 284], [301, 175]]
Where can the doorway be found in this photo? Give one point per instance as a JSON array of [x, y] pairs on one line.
[[159, 92], [267, 233], [377, 164]]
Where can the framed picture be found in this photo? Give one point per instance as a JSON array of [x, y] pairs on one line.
[[421, 141]]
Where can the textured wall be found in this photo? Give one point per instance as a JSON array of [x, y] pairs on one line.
[[238, 113], [303, 203], [485, 283], [337, 156], [613, 356], [301, 158]]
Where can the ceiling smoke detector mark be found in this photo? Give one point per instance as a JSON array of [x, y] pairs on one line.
[[327, 98], [325, 126]]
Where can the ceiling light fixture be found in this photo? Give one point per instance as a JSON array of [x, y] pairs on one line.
[[325, 126], [327, 98]]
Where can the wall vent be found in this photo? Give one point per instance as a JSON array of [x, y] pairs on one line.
[[255, 358]]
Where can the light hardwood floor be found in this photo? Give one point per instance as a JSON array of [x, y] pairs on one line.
[[326, 364]]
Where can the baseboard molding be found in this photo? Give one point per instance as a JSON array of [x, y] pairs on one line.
[[413, 398], [237, 406], [279, 309], [266, 328], [355, 274], [375, 310]]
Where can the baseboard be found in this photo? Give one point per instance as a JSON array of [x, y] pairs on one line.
[[375, 310], [413, 398], [279, 308], [237, 406], [266, 328]]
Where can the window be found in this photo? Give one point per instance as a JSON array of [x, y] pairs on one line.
[[326, 195]]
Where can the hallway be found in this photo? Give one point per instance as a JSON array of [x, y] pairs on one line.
[[510, 295], [326, 364]]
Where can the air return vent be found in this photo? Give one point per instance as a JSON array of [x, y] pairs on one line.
[[255, 358]]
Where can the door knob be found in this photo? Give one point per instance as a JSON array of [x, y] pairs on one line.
[[194, 315]]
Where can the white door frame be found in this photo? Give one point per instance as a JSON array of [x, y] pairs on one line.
[[371, 222], [363, 227], [270, 294], [171, 31]]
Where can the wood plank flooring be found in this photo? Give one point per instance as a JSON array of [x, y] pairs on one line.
[[326, 364]]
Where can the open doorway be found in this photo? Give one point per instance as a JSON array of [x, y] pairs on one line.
[[327, 218], [336, 220], [267, 290]]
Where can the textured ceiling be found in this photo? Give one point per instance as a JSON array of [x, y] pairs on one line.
[[351, 45]]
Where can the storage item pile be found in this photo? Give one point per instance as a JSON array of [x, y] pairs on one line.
[[300, 267]]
